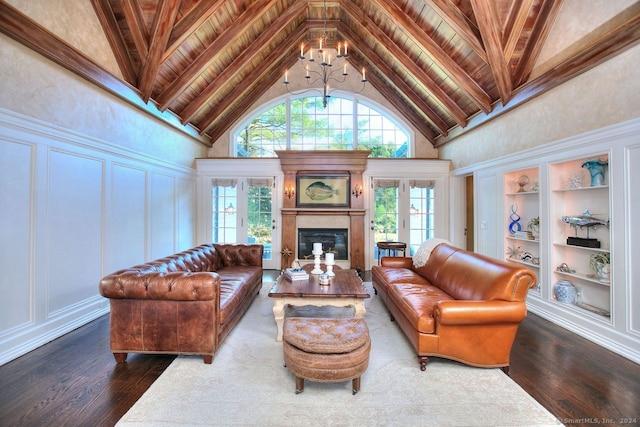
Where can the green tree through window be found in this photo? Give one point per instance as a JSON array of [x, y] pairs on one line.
[[304, 124]]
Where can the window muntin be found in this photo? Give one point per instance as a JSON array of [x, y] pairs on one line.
[[304, 124]]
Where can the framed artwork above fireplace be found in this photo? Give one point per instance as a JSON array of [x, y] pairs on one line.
[[322, 191]]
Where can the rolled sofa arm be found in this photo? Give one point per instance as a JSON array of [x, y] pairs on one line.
[[175, 286], [459, 312]]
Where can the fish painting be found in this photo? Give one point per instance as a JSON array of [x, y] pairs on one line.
[[320, 191], [584, 220]]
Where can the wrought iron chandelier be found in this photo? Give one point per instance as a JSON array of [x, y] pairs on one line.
[[323, 70]]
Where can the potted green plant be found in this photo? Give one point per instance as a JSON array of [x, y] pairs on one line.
[[601, 263]]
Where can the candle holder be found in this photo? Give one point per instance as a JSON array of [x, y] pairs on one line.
[[330, 265], [316, 262]]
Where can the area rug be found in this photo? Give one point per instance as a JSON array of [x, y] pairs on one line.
[[247, 385]]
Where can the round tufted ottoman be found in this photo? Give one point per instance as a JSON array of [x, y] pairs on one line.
[[326, 350]]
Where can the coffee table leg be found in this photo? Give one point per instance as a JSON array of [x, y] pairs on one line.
[[278, 314], [358, 308]]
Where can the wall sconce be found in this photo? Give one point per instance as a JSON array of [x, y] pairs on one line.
[[289, 191], [357, 190]]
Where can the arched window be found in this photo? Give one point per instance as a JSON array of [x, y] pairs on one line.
[[304, 124]]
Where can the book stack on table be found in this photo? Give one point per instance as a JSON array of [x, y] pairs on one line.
[[296, 274]]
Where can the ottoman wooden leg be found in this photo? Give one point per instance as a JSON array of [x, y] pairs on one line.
[[299, 385], [355, 385]]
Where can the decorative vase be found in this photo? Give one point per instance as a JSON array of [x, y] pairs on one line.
[[603, 270], [597, 169], [565, 292]]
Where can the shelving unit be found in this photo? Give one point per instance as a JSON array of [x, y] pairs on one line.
[[572, 195], [522, 200]]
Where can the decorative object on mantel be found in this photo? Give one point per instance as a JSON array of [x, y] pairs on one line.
[[325, 190], [323, 72], [601, 263], [565, 292], [584, 220], [522, 181], [515, 218], [597, 169]]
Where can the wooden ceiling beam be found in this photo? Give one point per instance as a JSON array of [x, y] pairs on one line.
[[189, 23], [385, 42], [377, 65], [209, 55], [514, 26], [391, 94], [459, 22], [162, 24], [135, 22], [490, 28], [543, 25], [469, 86], [245, 58], [112, 32], [263, 79]]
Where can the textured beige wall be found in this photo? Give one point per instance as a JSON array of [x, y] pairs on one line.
[[75, 22], [34, 86], [423, 148]]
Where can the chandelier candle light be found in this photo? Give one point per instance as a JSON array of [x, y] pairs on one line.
[[323, 71]]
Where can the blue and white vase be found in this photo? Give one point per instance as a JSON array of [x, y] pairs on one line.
[[565, 292]]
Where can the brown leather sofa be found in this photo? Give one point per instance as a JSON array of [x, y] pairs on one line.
[[459, 305], [186, 303]]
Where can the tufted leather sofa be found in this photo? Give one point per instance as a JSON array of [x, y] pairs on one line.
[[186, 303], [460, 305]]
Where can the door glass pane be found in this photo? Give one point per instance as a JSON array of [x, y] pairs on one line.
[[259, 218], [421, 217], [224, 204], [385, 220]]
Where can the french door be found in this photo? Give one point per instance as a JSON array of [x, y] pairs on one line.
[[242, 212], [402, 210]]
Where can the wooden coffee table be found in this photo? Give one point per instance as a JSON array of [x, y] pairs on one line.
[[346, 289]]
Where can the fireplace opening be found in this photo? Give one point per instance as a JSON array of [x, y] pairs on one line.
[[334, 240]]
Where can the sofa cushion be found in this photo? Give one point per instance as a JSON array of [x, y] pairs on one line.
[[234, 255], [400, 275], [233, 290], [417, 302]]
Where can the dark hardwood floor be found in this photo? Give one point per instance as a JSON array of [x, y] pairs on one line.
[[74, 380]]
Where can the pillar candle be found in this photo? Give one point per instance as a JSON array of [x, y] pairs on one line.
[[328, 257], [317, 247]]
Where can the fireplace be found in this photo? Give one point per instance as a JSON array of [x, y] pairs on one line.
[[335, 240]]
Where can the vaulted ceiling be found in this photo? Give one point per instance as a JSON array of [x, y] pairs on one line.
[[438, 62]]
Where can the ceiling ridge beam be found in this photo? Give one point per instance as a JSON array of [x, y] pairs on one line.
[[490, 28], [385, 42], [244, 57], [264, 78], [448, 66], [114, 36], [162, 23], [460, 24], [189, 23]]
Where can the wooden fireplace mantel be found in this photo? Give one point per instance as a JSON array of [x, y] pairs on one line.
[[352, 162]]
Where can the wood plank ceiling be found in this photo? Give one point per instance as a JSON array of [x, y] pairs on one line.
[[439, 62]]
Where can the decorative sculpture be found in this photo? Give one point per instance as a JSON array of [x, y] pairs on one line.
[[596, 168]]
